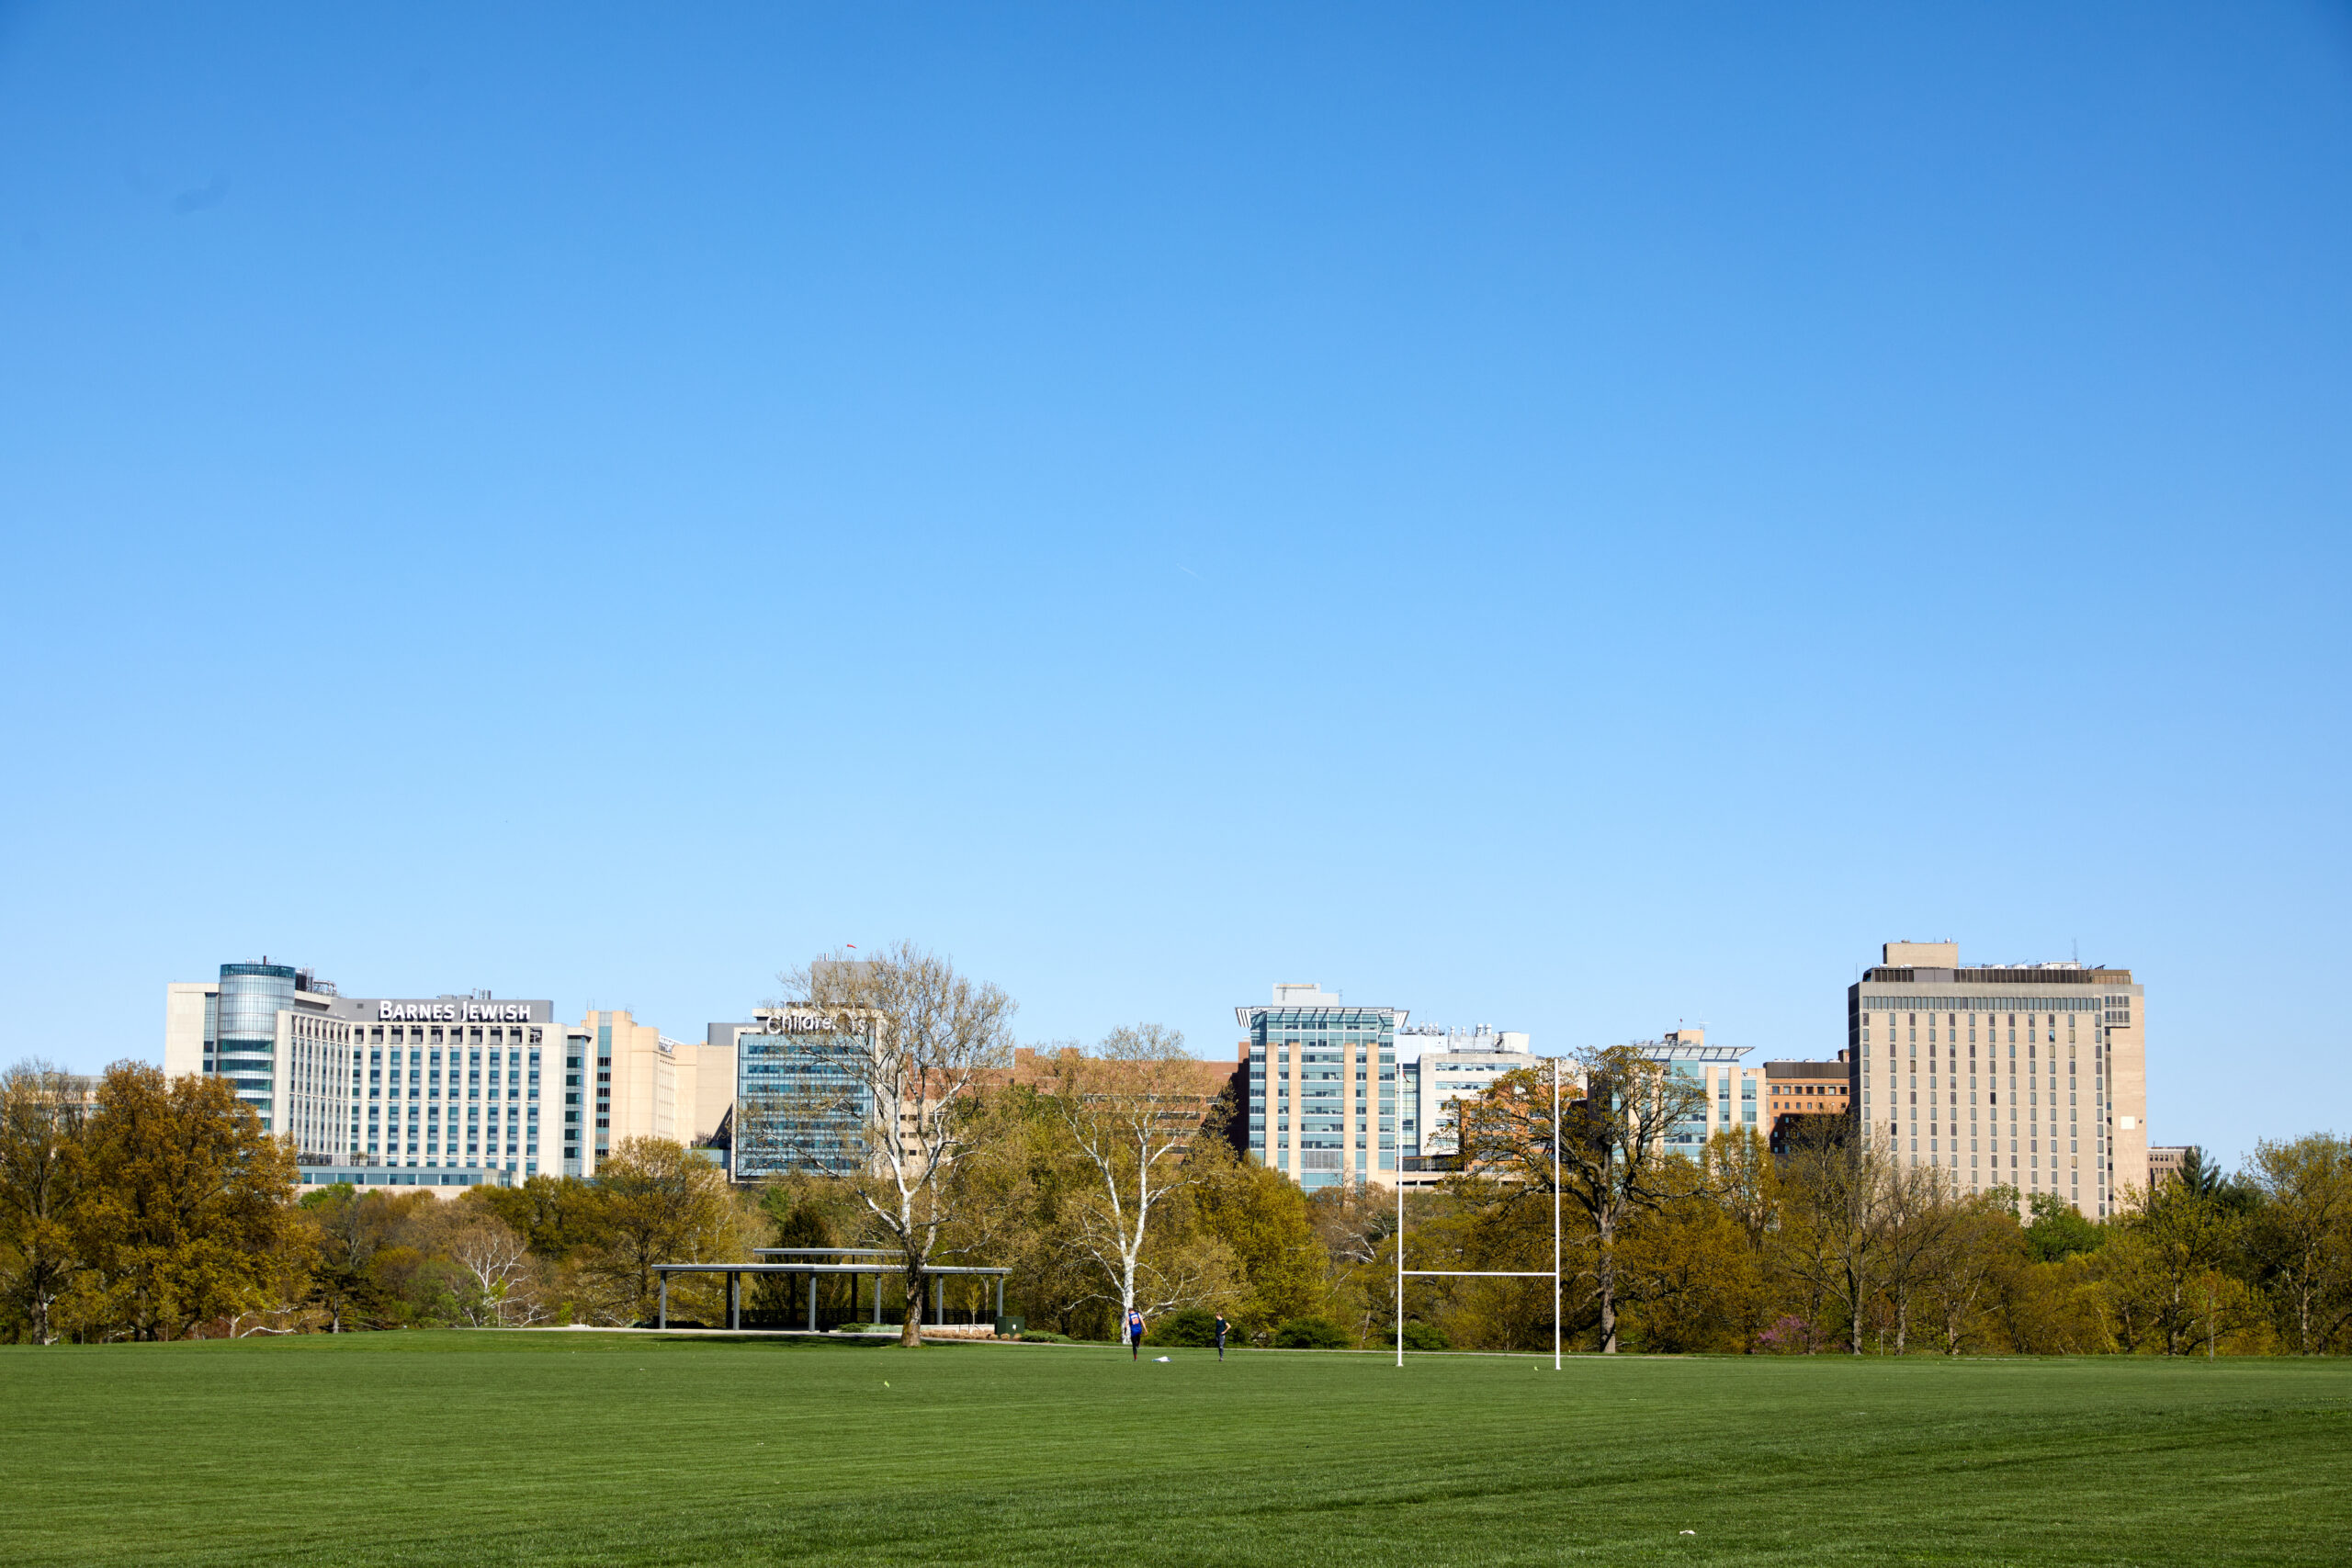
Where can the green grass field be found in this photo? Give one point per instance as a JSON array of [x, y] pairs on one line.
[[454, 1448]]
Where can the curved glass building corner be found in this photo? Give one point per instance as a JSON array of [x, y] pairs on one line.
[[251, 996]]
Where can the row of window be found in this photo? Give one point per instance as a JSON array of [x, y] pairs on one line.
[[454, 1035]]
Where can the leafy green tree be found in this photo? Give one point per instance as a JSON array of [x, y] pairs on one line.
[[1130, 1113], [2059, 1231], [1268, 1226], [1354, 1225], [553, 1214], [1744, 1179], [2170, 1239], [656, 1202], [1920, 1230], [1830, 1241], [2300, 1238], [346, 1231], [1311, 1334], [1426, 1337], [1961, 1277], [1192, 1327]]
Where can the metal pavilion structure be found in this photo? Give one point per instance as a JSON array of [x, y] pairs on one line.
[[813, 1263]]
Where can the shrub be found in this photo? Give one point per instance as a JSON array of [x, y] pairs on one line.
[[1310, 1334], [1426, 1337], [1190, 1325], [1043, 1336]]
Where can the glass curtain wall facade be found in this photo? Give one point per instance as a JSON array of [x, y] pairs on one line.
[[246, 1030], [1322, 1092], [1728, 1090], [799, 1107]]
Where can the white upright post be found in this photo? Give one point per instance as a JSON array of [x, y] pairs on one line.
[[1555, 1213], [1400, 1254]]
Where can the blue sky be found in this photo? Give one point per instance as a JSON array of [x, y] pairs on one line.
[[1579, 518]]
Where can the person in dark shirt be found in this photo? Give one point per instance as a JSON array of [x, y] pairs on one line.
[[1220, 1337]]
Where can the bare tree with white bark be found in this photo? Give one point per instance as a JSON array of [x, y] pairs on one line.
[[498, 1262], [1132, 1111], [905, 1043]]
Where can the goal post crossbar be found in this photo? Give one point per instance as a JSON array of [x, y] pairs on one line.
[[1477, 1273]]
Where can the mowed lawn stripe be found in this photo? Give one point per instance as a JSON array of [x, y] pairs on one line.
[[561, 1449]]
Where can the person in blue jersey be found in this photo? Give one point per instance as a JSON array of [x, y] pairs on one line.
[[1134, 1335]]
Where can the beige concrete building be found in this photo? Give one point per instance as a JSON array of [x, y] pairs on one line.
[[2165, 1160], [440, 1093], [2032, 1076], [1439, 1066], [642, 1085]]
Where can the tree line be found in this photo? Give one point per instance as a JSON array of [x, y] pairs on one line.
[[153, 1210], [140, 1209]]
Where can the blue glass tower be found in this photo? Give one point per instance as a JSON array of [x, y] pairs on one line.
[[246, 1044]]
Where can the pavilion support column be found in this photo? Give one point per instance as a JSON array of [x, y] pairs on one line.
[[1000, 1296], [663, 1320], [734, 1300], [812, 1301]]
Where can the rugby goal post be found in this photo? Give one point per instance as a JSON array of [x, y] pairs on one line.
[[1404, 1273]]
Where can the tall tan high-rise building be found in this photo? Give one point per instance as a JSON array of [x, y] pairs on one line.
[[2032, 1076], [642, 1085]]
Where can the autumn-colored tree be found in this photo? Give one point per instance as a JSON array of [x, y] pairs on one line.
[[1690, 1281], [42, 1121], [185, 1208]]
